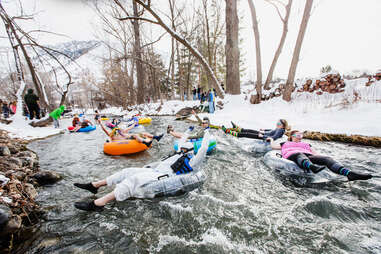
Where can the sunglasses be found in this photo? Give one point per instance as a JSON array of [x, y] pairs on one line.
[[205, 122], [298, 135]]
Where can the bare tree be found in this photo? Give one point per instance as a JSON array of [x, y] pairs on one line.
[[282, 39], [16, 32], [295, 58], [258, 85], [138, 54], [194, 51], [232, 50]]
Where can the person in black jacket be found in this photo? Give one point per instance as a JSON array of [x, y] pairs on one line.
[[276, 133], [31, 101]]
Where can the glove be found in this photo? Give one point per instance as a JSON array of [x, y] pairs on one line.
[[191, 128]]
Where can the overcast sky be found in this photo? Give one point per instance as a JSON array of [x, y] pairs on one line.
[[342, 33]]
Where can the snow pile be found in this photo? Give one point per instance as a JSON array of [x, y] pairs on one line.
[[21, 129]]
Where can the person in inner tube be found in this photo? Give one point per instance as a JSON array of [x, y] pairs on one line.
[[76, 122], [122, 134], [132, 182], [281, 127], [309, 160], [205, 123]]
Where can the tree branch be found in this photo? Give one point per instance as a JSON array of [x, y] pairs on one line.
[[138, 18]]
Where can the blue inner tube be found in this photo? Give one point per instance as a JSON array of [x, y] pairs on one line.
[[87, 129], [197, 144]]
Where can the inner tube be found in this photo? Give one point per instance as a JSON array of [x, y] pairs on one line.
[[259, 146], [174, 185], [286, 167], [145, 120], [123, 147], [104, 118], [169, 185], [197, 144], [110, 125], [86, 129]]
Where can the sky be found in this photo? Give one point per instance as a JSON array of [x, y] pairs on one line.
[[342, 33]]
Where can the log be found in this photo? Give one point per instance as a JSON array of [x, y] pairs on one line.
[[42, 123]]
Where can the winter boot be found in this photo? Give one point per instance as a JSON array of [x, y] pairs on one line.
[[87, 186], [236, 127], [352, 176], [158, 137], [88, 206]]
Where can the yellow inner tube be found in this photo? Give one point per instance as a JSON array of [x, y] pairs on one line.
[[122, 147], [145, 120], [105, 118]]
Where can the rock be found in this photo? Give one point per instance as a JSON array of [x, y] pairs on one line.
[[27, 161], [5, 214], [47, 177], [15, 161], [20, 175], [13, 149], [13, 225], [4, 150], [28, 154], [30, 190]]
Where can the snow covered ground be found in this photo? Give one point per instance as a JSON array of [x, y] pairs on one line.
[[25, 131], [342, 113]]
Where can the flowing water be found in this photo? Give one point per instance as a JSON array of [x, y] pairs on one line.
[[244, 207]]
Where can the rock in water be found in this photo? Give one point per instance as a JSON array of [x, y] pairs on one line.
[[47, 177], [5, 214], [4, 151]]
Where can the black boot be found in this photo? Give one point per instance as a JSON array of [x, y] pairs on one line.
[[148, 144], [88, 206], [352, 176], [87, 186], [234, 126], [316, 168], [158, 137]]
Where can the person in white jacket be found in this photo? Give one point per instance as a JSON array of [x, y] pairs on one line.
[[132, 182]]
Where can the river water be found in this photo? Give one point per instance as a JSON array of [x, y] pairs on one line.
[[244, 207]]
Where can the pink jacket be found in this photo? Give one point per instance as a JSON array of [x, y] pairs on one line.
[[290, 148]]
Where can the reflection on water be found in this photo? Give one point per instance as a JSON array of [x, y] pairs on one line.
[[244, 207]]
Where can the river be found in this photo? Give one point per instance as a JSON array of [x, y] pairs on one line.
[[244, 206]]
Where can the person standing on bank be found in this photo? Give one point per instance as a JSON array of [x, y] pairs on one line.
[[211, 101], [31, 101], [56, 114]]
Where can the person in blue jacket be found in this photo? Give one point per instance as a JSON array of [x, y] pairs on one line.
[[264, 134], [211, 101]]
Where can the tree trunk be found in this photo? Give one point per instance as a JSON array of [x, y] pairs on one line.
[[280, 47], [258, 85], [232, 50], [295, 58], [138, 55], [183, 41]]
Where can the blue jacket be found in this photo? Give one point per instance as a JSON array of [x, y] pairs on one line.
[[274, 134], [210, 97]]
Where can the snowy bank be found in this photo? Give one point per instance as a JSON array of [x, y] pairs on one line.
[[24, 131]]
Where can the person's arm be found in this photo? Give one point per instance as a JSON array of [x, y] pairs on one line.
[[275, 134], [197, 117], [199, 134], [199, 157], [274, 145], [103, 128]]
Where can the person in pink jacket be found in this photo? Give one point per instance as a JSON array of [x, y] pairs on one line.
[[306, 158]]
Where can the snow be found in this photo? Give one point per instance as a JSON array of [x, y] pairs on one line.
[[330, 113], [25, 131]]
